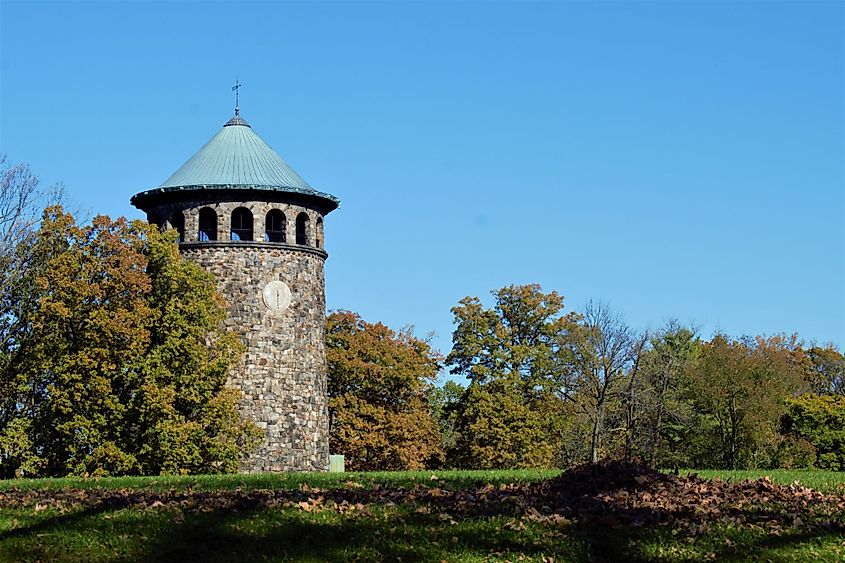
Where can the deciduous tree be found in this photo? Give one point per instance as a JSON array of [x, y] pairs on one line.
[[514, 355], [826, 369], [664, 367], [380, 418], [445, 401], [739, 388], [22, 200], [123, 368], [604, 355], [820, 420]]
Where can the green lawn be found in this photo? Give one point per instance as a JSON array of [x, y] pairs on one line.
[[401, 479], [127, 521]]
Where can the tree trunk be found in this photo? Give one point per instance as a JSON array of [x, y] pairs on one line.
[[594, 438], [655, 439]]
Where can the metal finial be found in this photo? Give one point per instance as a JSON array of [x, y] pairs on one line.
[[236, 89]]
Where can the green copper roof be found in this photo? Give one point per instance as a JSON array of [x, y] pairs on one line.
[[236, 157]]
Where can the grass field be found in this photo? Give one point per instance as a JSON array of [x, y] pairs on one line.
[[401, 479], [828, 481], [382, 528]]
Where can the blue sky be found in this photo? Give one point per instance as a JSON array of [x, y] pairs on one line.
[[675, 159]]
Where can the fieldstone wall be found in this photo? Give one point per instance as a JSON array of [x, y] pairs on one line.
[[283, 374]]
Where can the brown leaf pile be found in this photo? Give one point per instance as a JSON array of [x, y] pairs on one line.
[[631, 494], [612, 494]]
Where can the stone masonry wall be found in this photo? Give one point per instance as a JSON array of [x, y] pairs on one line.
[[162, 215], [283, 374]]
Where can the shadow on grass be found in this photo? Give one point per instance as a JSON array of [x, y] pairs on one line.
[[258, 533], [362, 539], [719, 543], [251, 532]]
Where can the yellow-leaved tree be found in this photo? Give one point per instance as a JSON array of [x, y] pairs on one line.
[[119, 360]]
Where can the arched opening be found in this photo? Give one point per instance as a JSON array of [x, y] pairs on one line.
[[302, 228], [319, 239], [208, 224], [241, 224], [177, 221], [274, 226]]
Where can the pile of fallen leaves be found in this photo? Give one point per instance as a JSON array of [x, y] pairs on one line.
[[631, 494], [614, 494]]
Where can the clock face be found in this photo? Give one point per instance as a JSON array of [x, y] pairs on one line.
[[277, 296]]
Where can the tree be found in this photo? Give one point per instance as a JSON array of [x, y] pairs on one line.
[[444, 402], [513, 355], [380, 418], [21, 203], [826, 370], [605, 354], [498, 429], [671, 355], [819, 420], [123, 367], [739, 389]]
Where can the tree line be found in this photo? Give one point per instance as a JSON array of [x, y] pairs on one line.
[[549, 388], [113, 361]]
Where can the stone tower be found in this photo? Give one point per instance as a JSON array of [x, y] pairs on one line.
[[244, 215]]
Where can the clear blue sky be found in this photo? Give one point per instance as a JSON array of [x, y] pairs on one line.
[[676, 159]]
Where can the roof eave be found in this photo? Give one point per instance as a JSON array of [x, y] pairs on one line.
[[141, 200]]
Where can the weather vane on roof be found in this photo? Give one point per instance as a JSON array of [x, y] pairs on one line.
[[236, 89]]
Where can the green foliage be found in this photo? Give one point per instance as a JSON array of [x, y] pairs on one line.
[[665, 408], [444, 402], [819, 420], [515, 356], [497, 429], [826, 370], [739, 389], [380, 418], [122, 359]]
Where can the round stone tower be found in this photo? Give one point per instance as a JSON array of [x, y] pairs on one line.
[[244, 215]]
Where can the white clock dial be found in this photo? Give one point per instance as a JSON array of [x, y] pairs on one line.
[[277, 296]]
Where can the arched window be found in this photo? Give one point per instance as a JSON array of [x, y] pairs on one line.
[[208, 224], [274, 226], [319, 240], [302, 228], [177, 221], [241, 224]]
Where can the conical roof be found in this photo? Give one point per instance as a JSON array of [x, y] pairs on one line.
[[237, 158]]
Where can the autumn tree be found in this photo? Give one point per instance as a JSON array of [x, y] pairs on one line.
[[826, 370], [513, 355], [21, 201], [739, 388], [123, 366], [380, 418]]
